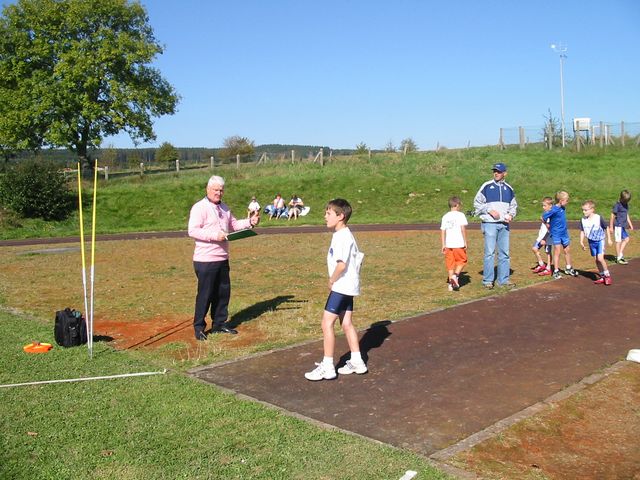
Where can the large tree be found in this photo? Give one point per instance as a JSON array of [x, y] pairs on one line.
[[75, 71], [168, 154], [236, 144]]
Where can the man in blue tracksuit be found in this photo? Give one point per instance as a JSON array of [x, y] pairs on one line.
[[496, 205]]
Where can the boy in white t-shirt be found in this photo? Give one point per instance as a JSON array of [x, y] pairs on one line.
[[343, 262], [543, 240], [594, 228], [453, 234]]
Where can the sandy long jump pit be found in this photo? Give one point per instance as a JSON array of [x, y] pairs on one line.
[[438, 378]]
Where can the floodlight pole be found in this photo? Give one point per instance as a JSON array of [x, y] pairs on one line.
[[561, 50]]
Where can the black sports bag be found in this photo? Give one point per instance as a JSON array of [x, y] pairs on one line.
[[70, 329]]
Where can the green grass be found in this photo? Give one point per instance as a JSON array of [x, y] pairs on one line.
[[171, 426], [159, 427], [388, 188]]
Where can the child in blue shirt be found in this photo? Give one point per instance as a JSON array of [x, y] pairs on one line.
[[559, 232], [618, 224]]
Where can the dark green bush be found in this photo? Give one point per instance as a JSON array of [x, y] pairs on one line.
[[36, 189]]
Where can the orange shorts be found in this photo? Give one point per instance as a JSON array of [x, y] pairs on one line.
[[454, 257]]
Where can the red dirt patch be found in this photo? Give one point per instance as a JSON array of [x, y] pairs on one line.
[[126, 334], [591, 435]]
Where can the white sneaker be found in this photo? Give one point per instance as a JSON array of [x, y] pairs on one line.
[[321, 372], [353, 367]]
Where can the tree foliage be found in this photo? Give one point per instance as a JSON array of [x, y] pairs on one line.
[[75, 71], [236, 144], [408, 145], [552, 127], [390, 147], [167, 153], [36, 189], [361, 148]]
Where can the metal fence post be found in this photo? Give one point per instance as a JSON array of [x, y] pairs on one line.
[[212, 162], [178, 165], [237, 160], [622, 133]]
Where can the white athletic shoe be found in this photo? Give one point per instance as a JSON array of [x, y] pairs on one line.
[[353, 367], [321, 372]]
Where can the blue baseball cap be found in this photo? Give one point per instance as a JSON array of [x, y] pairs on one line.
[[500, 167]]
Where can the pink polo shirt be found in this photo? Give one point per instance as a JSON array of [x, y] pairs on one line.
[[206, 221]]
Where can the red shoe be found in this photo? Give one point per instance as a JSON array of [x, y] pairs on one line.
[[600, 281], [607, 280], [539, 268], [544, 273]]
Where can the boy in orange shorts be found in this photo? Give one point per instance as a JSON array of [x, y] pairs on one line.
[[453, 233]]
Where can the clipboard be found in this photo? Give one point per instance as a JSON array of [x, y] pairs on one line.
[[240, 234]]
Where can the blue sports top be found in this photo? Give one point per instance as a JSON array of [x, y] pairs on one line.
[[594, 228], [557, 219], [621, 211]]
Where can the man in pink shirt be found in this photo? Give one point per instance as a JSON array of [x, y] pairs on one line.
[[210, 221]]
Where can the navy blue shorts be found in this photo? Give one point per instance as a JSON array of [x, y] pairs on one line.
[[338, 303]]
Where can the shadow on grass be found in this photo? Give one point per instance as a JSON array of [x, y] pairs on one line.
[[254, 311], [156, 337], [374, 337]]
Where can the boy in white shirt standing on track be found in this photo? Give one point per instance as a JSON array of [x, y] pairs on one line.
[[453, 234], [343, 262], [594, 227]]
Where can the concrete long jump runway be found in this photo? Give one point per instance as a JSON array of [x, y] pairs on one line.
[[437, 378]]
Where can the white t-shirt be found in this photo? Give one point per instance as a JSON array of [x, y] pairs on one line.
[[343, 247], [254, 206], [452, 223], [543, 233], [594, 227]]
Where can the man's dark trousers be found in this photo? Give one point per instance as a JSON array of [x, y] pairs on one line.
[[214, 291]]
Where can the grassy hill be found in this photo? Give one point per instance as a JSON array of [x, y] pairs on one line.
[[388, 188]]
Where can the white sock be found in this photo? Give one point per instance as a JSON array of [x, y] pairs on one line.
[[606, 273], [356, 357], [568, 267], [327, 361], [541, 263]]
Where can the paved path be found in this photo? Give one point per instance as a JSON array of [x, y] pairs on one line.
[[435, 379], [271, 230]]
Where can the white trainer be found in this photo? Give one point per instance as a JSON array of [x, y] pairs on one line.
[[321, 372], [353, 367]]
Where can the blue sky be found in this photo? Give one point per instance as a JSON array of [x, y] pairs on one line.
[[340, 72]]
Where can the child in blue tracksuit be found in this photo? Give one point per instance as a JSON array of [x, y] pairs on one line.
[[620, 219], [559, 233]]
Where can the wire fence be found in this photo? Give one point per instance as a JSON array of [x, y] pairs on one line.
[[580, 133]]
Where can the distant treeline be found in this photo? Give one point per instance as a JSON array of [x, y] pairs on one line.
[[133, 156]]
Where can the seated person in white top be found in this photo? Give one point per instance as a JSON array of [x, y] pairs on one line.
[[295, 206], [253, 208]]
